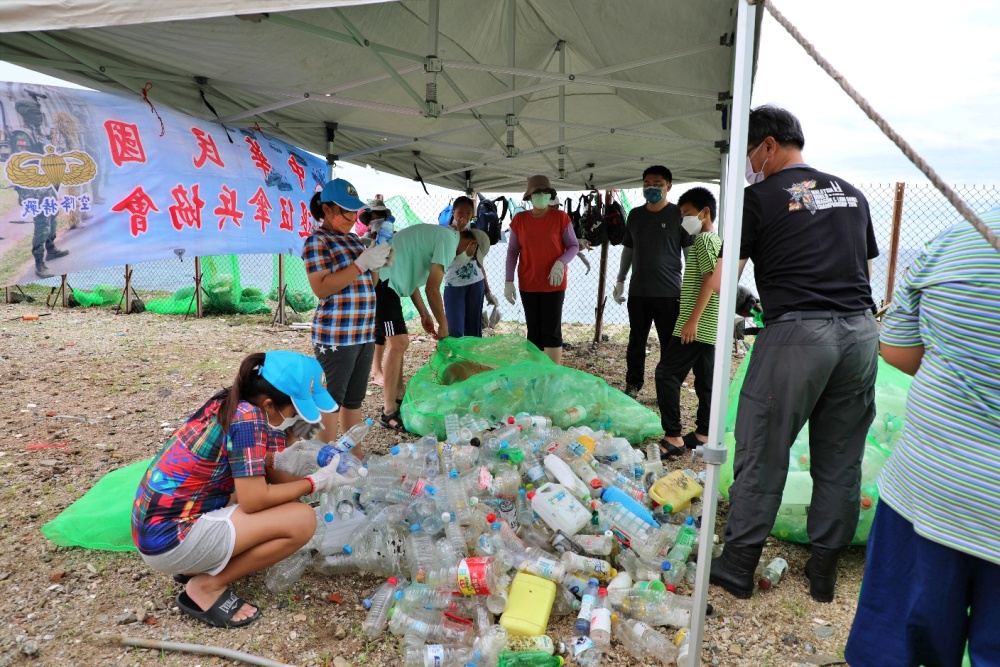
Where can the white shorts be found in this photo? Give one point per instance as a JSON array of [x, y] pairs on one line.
[[206, 548]]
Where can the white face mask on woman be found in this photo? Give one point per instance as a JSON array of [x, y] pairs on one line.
[[462, 259], [285, 424]]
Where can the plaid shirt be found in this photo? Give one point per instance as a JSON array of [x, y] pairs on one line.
[[346, 317], [193, 474]]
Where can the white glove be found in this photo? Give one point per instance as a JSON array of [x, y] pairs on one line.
[[391, 258], [295, 459], [490, 299], [367, 241], [556, 274], [509, 292], [327, 478], [619, 293], [373, 258], [303, 430]]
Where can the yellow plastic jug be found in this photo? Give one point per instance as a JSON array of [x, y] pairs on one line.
[[529, 603], [675, 491]]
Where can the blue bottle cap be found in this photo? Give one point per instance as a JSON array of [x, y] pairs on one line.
[[348, 550], [504, 444], [453, 474], [431, 490], [370, 421], [414, 527], [665, 565], [690, 521], [367, 603], [394, 450], [328, 517], [495, 525], [398, 595], [592, 581], [522, 492]]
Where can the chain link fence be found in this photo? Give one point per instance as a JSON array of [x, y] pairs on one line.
[[922, 212]]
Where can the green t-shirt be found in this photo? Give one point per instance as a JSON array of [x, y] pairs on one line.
[[702, 258], [416, 248]]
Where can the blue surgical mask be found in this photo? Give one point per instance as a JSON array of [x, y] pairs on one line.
[[653, 195]]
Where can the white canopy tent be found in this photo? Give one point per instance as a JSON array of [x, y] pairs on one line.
[[470, 94]]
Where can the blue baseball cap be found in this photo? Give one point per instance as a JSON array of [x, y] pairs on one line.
[[343, 194], [302, 378]]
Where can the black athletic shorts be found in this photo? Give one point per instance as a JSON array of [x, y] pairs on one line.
[[388, 313], [543, 315]]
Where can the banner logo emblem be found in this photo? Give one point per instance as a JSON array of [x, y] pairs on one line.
[[31, 170]]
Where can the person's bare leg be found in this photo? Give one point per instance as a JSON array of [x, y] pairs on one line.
[[262, 539], [393, 369], [331, 421], [349, 418], [378, 375], [555, 354]]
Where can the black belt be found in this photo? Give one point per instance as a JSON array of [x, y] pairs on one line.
[[799, 315]]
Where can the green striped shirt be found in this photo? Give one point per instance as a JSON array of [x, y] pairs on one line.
[[944, 476], [702, 258]]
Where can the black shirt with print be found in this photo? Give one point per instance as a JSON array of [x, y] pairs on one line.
[[809, 235]]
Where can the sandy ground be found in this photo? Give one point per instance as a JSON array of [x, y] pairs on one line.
[[134, 378]]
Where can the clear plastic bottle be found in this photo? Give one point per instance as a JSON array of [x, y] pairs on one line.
[[472, 576], [535, 643], [600, 621], [567, 478], [771, 576], [538, 563], [489, 644], [611, 477], [587, 601], [283, 574], [632, 531], [457, 497], [378, 606], [644, 642], [679, 553], [454, 534], [437, 655], [430, 625], [352, 438], [596, 545], [420, 550], [593, 567], [386, 230], [658, 608]]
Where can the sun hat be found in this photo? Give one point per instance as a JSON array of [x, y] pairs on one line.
[[483, 239], [302, 378], [536, 183], [365, 217], [341, 193]]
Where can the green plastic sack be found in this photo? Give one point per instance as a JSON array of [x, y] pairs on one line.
[[223, 294], [102, 518], [504, 375], [298, 292], [101, 295], [891, 389]]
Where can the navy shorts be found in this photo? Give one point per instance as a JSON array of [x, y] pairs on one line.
[[922, 601]]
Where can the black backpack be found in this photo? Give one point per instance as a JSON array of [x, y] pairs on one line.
[[590, 216], [614, 221], [487, 218]]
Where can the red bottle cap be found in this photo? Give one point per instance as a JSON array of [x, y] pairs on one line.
[[602, 592], [392, 581], [595, 484], [531, 494], [491, 517], [671, 588], [510, 419]]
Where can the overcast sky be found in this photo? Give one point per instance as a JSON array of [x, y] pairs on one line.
[[931, 69]]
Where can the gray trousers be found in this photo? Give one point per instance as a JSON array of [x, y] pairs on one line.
[[804, 367]]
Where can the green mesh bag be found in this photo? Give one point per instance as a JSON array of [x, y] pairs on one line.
[[101, 295], [102, 518], [298, 292], [504, 375], [891, 389], [223, 294]]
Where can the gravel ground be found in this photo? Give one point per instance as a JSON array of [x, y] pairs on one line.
[[134, 378]]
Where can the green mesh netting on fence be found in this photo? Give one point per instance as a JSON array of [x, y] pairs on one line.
[[504, 375], [222, 292], [891, 389], [101, 295], [102, 517], [298, 293]]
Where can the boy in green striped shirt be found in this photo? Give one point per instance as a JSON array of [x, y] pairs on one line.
[[692, 345]]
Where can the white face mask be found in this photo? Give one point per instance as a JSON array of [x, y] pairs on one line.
[[540, 199], [751, 175], [285, 424], [462, 259], [691, 224]]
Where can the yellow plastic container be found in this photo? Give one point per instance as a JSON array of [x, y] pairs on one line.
[[675, 491], [529, 603]]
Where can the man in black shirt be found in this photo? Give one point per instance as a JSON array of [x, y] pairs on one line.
[[652, 250], [811, 240]]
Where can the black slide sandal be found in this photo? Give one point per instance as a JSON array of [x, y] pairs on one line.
[[671, 452], [387, 421], [183, 578], [221, 611]]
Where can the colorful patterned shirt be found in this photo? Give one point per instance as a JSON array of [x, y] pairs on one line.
[[944, 476], [346, 317], [193, 474]]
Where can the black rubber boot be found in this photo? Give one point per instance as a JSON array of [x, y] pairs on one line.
[[734, 570], [52, 252], [821, 571], [41, 270]]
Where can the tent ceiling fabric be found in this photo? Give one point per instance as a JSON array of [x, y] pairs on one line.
[[647, 79]]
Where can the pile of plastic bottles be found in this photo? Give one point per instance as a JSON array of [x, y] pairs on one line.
[[487, 535]]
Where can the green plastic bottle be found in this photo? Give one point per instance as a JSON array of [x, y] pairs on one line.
[[529, 659]]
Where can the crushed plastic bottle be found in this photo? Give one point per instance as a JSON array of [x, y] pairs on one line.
[[643, 642], [771, 576], [378, 606]]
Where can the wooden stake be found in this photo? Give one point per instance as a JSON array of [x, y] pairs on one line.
[[897, 219]]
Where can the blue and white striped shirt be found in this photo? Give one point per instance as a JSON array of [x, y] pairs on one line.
[[944, 477]]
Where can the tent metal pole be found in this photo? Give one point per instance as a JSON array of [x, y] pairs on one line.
[[433, 64], [511, 35], [332, 35], [562, 111], [715, 452], [95, 67], [475, 114]]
